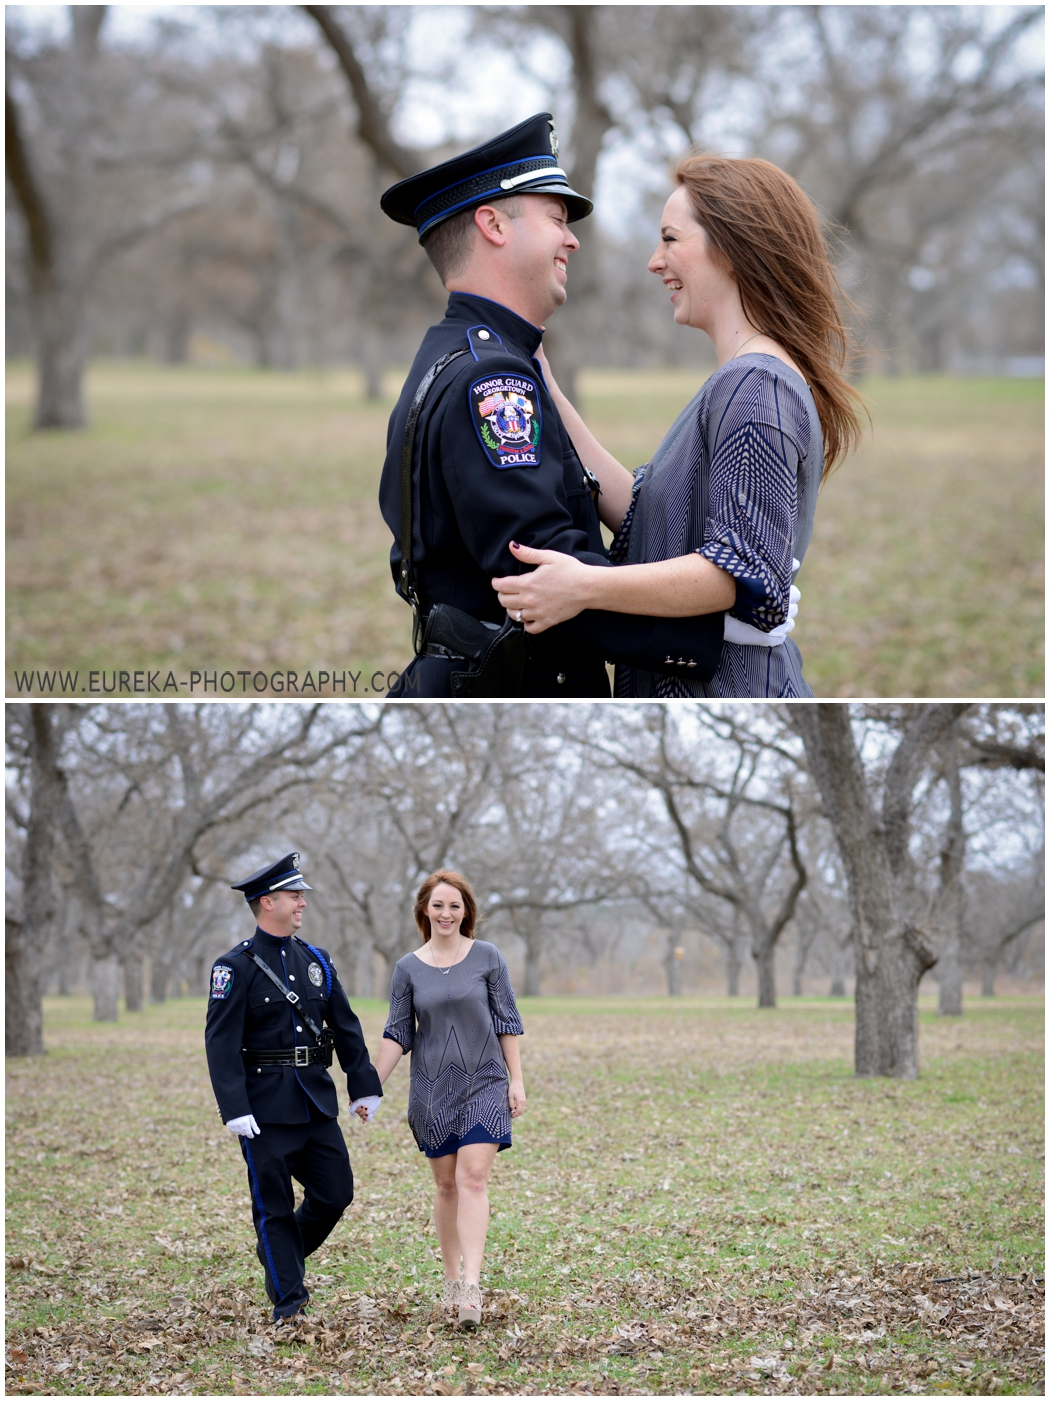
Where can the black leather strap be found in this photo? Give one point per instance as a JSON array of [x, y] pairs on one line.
[[289, 996], [406, 584]]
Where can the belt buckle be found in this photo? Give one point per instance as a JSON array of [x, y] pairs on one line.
[[302, 1055]]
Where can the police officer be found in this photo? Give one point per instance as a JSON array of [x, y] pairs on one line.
[[268, 1051], [477, 455]]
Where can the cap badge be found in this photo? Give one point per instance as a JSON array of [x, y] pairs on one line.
[[295, 860], [315, 975], [554, 141]]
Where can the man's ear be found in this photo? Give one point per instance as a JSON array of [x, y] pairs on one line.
[[492, 223]]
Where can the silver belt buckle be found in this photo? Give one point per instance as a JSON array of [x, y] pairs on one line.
[[302, 1055]]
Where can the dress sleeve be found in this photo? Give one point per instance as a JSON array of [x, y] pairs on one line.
[[618, 548], [401, 1023], [503, 1008], [757, 420]]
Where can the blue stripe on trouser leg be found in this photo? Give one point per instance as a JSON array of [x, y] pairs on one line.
[[257, 1193]]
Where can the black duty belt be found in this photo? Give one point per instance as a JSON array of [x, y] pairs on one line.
[[299, 1055]]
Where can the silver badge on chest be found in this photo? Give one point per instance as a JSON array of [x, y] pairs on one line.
[[315, 974]]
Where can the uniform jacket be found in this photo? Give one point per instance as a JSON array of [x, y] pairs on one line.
[[246, 1009], [481, 485]]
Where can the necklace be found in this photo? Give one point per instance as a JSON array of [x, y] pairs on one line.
[[743, 343], [443, 970]]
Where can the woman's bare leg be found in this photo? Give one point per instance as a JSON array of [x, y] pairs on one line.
[[446, 1209], [473, 1166]]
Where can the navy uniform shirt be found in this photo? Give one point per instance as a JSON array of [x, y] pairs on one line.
[[493, 463], [246, 1009]]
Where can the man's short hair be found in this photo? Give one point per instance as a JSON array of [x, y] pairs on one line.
[[448, 244], [255, 906]]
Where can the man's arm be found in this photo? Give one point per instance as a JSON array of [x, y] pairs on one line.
[[361, 1077], [224, 1036]]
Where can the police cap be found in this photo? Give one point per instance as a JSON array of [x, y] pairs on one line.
[[521, 161], [282, 875]]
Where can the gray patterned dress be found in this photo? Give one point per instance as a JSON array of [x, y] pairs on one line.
[[450, 1020], [735, 480]]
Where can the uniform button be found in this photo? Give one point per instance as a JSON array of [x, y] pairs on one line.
[[266, 999], [291, 977], [298, 1028], [259, 1071], [483, 335], [247, 942], [561, 678], [668, 661]]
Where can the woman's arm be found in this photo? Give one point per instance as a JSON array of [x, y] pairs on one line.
[[563, 586], [516, 1090], [390, 1053], [614, 479]]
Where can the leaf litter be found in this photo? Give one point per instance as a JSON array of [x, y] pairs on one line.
[[673, 1268]]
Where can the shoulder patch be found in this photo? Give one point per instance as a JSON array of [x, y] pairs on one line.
[[505, 411], [221, 980]]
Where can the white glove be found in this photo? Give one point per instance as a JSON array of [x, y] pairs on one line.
[[245, 1126], [370, 1102], [744, 633]]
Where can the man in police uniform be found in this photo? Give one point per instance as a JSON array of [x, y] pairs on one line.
[[477, 455], [268, 1052]]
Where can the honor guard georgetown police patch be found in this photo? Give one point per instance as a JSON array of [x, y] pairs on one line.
[[505, 409], [315, 974], [221, 981]]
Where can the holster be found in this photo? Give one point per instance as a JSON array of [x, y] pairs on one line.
[[494, 654]]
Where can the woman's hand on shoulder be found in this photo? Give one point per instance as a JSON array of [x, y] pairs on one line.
[[516, 1093], [558, 589]]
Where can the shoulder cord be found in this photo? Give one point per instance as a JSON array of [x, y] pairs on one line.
[[288, 995], [406, 585]]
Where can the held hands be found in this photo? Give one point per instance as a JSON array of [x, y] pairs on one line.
[[366, 1107], [245, 1126], [516, 1093], [554, 592]]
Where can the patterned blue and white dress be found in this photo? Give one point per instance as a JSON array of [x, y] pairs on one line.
[[450, 1020], [735, 480]]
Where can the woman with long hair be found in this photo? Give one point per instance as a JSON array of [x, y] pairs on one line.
[[722, 516], [452, 1006]]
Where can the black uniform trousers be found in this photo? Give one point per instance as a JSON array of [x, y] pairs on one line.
[[315, 1155]]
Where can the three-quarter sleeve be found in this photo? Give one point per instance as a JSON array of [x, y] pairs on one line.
[[502, 1007], [401, 1023], [622, 538], [757, 420]]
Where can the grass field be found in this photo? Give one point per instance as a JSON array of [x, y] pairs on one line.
[[700, 1199], [213, 520]]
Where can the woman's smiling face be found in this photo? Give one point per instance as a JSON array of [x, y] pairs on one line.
[[445, 910], [699, 282]]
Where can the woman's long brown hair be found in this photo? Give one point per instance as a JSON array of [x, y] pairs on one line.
[[768, 231], [470, 904]]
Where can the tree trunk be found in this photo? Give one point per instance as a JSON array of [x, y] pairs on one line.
[[200, 986], [838, 986], [988, 979], [533, 950], [132, 964], [891, 955], [61, 353], [765, 956], [732, 969], [673, 969], [953, 856], [23, 1008], [105, 982], [159, 974]]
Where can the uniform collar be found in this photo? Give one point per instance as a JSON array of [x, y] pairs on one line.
[[511, 328], [270, 941]]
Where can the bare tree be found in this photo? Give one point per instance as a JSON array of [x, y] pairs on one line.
[[891, 952]]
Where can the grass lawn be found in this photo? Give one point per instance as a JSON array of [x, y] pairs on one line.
[[701, 1198], [214, 520]]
